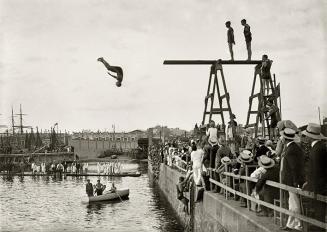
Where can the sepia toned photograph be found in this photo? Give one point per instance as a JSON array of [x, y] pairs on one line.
[[163, 115]]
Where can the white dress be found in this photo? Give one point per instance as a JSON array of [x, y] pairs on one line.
[[196, 158]]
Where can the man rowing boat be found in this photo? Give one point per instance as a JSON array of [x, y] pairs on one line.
[[99, 188], [113, 188]]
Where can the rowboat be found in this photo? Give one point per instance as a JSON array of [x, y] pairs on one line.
[[109, 196]]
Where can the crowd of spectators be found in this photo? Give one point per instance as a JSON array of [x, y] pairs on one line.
[[294, 158]]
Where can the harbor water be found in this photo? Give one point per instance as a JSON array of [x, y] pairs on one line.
[[46, 203]]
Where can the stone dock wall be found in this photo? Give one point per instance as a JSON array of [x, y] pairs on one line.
[[214, 213]]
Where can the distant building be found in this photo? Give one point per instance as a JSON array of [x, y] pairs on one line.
[[90, 144]]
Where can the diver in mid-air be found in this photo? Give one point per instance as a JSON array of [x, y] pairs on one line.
[[115, 69]]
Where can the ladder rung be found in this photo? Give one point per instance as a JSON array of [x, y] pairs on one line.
[[254, 96], [253, 112], [208, 112], [250, 125], [209, 96], [224, 96], [219, 110]]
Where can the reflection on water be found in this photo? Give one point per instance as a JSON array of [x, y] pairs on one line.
[[45, 203]]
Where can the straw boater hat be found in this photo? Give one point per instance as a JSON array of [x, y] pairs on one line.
[[313, 131], [245, 157], [266, 162], [290, 124], [225, 160], [280, 125], [290, 134], [261, 140]]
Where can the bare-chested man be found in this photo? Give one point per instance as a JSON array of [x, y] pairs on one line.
[[115, 69]]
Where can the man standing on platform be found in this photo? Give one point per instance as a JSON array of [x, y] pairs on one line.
[[265, 73], [230, 39], [248, 37]]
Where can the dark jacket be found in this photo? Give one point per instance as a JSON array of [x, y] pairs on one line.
[[271, 174], [89, 188], [317, 170], [292, 169], [262, 150]]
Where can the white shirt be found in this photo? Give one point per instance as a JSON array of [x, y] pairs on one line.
[[314, 143], [196, 158], [212, 133]]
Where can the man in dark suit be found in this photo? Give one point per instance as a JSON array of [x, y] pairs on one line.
[[292, 174], [317, 170], [268, 193], [262, 149]]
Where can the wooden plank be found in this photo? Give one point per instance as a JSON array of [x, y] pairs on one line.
[[179, 168], [271, 206], [210, 62], [281, 186], [218, 110]]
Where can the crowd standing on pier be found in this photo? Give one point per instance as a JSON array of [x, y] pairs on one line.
[[295, 158]]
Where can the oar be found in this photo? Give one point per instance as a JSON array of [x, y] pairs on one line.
[[117, 192], [119, 196]]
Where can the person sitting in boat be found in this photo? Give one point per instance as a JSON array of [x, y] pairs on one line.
[[113, 188], [99, 188], [89, 188]]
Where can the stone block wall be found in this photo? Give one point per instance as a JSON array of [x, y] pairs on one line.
[[214, 213]]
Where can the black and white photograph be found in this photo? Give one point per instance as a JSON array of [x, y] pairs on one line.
[[163, 115]]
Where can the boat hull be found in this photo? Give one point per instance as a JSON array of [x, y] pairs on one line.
[[121, 193]]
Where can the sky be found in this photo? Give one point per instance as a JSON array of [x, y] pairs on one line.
[[49, 51]]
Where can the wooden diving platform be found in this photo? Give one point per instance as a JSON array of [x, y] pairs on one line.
[[211, 62]]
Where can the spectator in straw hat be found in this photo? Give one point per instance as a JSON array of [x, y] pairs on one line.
[[317, 169], [281, 125], [267, 193], [262, 149], [293, 160], [221, 167], [223, 150], [292, 174], [245, 158], [231, 133]]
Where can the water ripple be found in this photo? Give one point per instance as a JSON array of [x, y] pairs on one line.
[[52, 204]]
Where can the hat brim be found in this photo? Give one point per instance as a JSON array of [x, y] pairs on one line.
[[225, 161], [239, 160], [272, 164], [313, 136], [295, 138]]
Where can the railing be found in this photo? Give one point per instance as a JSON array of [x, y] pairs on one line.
[[281, 187], [180, 168]]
